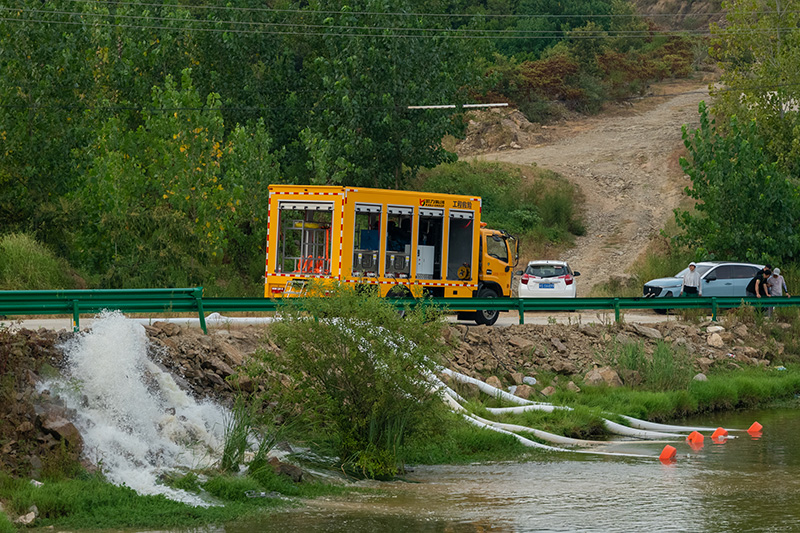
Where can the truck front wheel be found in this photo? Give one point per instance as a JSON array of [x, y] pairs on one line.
[[486, 317]]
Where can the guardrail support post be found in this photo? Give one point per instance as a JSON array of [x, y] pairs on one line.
[[76, 320], [714, 308], [616, 309], [521, 311], [198, 296]]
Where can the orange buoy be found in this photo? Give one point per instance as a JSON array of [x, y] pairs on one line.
[[719, 433], [695, 437], [755, 428], [668, 454], [695, 440]]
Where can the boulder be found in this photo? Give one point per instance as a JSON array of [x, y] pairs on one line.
[[574, 388], [644, 331], [564, 367], [516, 378], [715, 329], [61, 428], [558, 345], [524, 391], [740, 330], [715, 341], [700, 377], [26, 519], [548, 391], [494, 381], [295, 473], [231, 353], [603, 376], [704, 363], [522, 344]]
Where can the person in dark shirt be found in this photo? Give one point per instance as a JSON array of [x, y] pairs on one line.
[[758, 286]]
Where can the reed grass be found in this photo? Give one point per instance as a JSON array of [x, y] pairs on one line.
[[25, 264]]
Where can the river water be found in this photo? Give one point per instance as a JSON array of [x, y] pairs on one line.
[[743, 484]]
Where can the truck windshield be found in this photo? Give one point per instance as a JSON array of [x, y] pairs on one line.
[[496, 247]]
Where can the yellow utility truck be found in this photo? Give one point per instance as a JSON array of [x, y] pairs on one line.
[[402, 242]]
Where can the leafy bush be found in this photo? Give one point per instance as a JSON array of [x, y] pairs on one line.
[[357, 368], [25, 264]]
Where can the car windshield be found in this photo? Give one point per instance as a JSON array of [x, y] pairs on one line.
[[546, 271], [701, 269]]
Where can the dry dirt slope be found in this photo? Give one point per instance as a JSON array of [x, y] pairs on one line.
[[625, 162]]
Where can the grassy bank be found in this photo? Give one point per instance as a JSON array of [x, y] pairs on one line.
[[89, 502]]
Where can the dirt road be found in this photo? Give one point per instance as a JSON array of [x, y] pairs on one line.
[[625, 162]]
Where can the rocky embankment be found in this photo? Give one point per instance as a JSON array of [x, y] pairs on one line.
[[33, 426]]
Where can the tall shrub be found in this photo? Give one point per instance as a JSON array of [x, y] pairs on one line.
[[357, 368]]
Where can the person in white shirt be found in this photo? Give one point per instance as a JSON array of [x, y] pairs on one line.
[[777, 287], [776, 284], [691, 282]]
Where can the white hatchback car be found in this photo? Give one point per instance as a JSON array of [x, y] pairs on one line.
[[548, 279]]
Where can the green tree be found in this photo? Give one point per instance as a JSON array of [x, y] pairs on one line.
[[159, 203], [747, 207], [758, 50], [357, 368], [360, 130]]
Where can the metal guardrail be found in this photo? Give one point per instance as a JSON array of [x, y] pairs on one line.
[[76, 302], [190, 300]]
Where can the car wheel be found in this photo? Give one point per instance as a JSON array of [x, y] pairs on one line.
[[486, 317]]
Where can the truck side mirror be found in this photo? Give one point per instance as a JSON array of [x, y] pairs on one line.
[[518, 273], [576, 273]]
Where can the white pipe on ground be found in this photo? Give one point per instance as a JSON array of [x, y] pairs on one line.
[[613, 427], [486, 388]]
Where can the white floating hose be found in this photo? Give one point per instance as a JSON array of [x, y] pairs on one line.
[[472, 419], [613, 427], [644, 424], [452, 398], [496, 426], [626, 431], [544, 407], [544, 435]]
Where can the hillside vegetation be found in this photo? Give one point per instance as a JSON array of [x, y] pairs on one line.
[[138, 140]]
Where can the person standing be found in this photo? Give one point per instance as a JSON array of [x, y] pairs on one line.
[[691, 282], [777, 287], [758, 285]]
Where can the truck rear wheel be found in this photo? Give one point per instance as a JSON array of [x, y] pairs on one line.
[[486, 317]]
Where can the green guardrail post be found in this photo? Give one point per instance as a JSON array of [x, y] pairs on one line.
[[616, 310], [714, 308], [521, 311], [198, 296], [76, 319]]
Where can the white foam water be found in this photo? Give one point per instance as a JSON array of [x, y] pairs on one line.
[[135, 421]]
